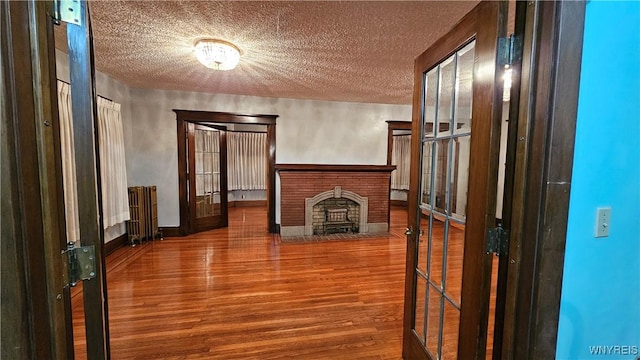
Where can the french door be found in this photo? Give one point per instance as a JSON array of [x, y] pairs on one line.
[[456, 121], [207, 169]]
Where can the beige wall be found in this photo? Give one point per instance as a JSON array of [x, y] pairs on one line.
[[307, 131]]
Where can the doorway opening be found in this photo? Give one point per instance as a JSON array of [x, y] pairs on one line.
[[399, 155], [185, 120]]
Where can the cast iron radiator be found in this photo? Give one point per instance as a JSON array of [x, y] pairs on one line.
[[143, 210]]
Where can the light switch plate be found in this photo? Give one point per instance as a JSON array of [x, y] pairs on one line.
[[603, 221]]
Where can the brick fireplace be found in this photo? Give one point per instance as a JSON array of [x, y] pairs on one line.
[[325, 199]]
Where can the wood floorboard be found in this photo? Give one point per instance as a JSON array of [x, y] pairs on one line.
[[241, 293]]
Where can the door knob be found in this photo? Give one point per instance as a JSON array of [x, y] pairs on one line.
[[409, 231]]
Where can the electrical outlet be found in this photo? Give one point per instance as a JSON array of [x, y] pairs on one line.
[[603, 221]]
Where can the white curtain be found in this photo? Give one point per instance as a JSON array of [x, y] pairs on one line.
[[401, 158], [68, 162], [247, 160], [113, 172], [113, 168]]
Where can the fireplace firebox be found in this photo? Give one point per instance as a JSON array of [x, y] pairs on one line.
[[336, 215]]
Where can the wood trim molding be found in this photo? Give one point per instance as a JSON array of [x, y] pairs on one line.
[[170, 231], [544, 144], [271, 180], [33, 226], [183, 117], [391, 126], [88, 180], [403, 203], [113, 245], [502, 341], [327, 167], [224, 117], [247, 203], [398, 124]]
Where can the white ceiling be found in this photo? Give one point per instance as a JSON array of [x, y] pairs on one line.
[[359, 51]]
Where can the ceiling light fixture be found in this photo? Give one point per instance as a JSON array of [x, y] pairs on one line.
[[217, 54]]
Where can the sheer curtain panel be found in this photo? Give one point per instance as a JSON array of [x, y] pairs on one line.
[[401, 158], [113, 168], [68, 162], [247, 157]]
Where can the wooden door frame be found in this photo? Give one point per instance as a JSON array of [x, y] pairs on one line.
[[184, 116], [540, 154], [88, 180], [36, 312], [391, 126]]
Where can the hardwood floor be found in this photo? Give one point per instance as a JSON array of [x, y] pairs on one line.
[[240, 293]]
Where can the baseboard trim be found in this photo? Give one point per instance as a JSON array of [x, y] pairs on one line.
[[115, 244], [170, 231], [247, 203], [403, 203]]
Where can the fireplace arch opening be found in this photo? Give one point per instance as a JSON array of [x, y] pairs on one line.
[[336, 211], [336, 215]]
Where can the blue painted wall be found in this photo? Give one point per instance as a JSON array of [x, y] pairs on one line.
[[601, 288]]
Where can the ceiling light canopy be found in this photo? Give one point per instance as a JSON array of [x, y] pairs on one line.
[[217, 54]]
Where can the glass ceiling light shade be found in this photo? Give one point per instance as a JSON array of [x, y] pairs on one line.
[[217, 54]]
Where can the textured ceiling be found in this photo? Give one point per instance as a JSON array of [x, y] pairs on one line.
[[356, 51]]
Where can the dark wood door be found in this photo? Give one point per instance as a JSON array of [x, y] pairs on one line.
[[456, 122], [207, 185]]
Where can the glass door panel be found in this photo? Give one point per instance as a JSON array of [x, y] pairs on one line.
[[451, 316], [444, 183], [464, 89], [439, 183], [447, 73], [207, 173], [207, 148], [420, 308], [434, 321], [430, 99]]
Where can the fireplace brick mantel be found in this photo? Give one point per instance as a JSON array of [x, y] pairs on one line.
[[335, 168], [304, 181]]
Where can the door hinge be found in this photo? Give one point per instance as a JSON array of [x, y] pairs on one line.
[[497, 241], [69, 11], [80, 262], [509, 50]]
